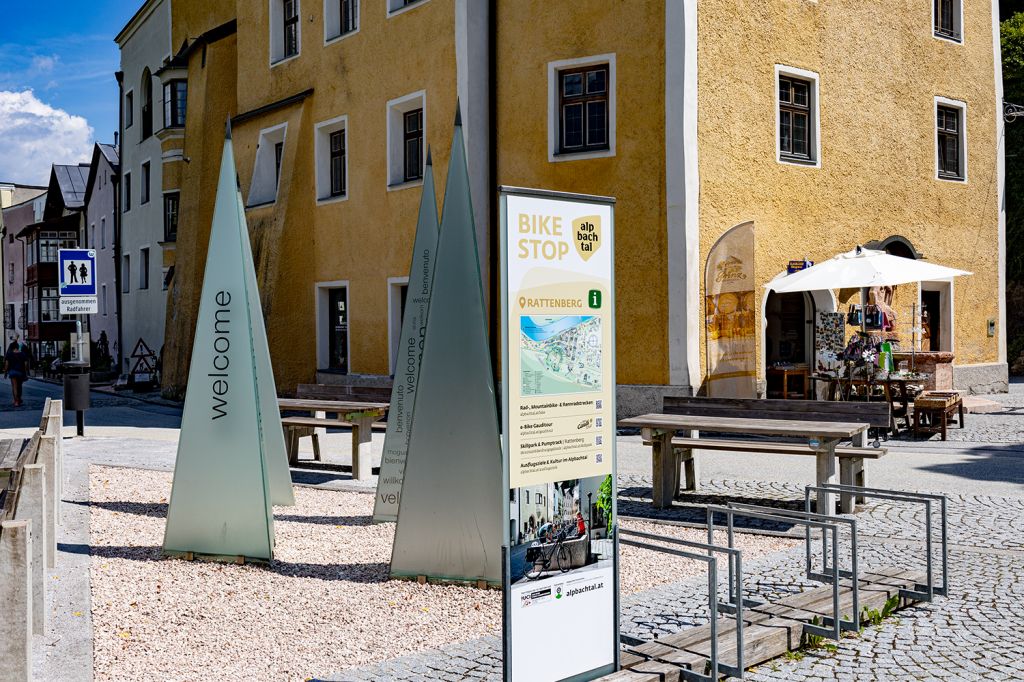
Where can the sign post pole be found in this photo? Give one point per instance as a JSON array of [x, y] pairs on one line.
[[77, 291], [558, 393]]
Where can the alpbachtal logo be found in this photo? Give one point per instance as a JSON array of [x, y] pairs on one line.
[[586, 233]]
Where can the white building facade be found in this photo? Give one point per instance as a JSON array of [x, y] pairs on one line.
[[145, 44], [99, 221]]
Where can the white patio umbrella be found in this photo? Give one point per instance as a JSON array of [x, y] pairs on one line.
[[862, 269]]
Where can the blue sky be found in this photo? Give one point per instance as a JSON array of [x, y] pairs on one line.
[[57, 87]]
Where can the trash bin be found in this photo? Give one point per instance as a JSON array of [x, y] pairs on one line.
[[76, 386]]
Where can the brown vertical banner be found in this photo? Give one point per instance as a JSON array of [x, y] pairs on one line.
[[729, 315]]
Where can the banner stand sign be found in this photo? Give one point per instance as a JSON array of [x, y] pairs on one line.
[[729, 309], [561, 603]]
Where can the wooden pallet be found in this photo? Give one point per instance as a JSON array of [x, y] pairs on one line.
[[769, 630]]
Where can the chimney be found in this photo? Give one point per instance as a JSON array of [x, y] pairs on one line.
[[115, 138]]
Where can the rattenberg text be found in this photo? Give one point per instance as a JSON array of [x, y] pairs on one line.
[[221, 361], [525, 302]]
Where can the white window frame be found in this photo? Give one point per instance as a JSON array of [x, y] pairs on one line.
[[322, 158], [126, 273], [103, 232], [952, 104], [395, 122], [144, 266], [396, 7], [332, 21], [103, 288], [129, 94], [815, 113], [321, 301], [146, 184], [126, 193], [395, 285], [555, 114], [92, 229], [946, 311], [958, 22], [264, 174], [275, 44]]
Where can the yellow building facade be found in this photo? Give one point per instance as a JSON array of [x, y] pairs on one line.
[[314, 250], [671, 106], [879, 73]]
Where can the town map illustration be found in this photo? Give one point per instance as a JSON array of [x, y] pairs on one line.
[[560, 354]]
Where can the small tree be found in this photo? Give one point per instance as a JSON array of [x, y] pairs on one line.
[[1012, 44], [604, 500]]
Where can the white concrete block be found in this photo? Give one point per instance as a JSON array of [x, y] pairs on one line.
[[16, 597]]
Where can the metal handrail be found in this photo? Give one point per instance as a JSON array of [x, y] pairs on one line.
[[770, 514], [716, 667], [853, 574], [902, 496], [735, 604]]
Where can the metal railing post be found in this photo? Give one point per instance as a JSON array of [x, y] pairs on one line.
[[714, 606], [925, 499], [827, 523]]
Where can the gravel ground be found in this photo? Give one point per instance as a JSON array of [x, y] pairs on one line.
[[324, 604]]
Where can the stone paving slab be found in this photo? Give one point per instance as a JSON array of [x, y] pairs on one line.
[[64, 651]]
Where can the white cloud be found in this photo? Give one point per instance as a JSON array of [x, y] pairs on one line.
[[44, 63], [34, 135]]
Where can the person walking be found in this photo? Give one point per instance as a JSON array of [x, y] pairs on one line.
[[17, 361]]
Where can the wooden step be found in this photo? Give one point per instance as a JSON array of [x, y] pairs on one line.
[[770, 630], [628, 675]]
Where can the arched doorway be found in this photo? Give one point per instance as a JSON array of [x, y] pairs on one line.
[[788, 337]]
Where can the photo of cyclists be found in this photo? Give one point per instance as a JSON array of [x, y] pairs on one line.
[[560, 527]]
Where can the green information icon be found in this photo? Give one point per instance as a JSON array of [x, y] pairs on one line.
[[594, 298]]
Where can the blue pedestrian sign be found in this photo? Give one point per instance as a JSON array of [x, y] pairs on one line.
[[77, 272]]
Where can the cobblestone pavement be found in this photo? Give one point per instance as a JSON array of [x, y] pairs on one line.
[[1002, 427], [975, 633]]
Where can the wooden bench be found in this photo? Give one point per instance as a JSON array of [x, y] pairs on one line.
[[875, 414], [369, 394], [851, 457], [355, 406]]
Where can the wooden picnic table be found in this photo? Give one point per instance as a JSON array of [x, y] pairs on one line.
[[660, 428], [359, 415]]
